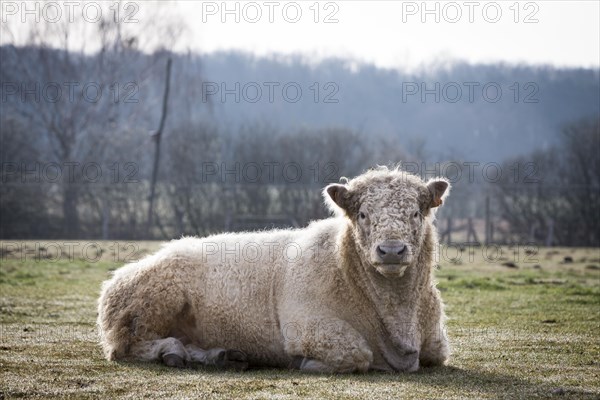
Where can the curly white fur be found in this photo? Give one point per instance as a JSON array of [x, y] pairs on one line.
[[311, 298]]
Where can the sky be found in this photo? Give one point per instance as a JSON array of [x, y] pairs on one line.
[[390, 34], [403, 34]]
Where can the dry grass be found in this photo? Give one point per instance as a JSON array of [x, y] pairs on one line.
[[517, 332]]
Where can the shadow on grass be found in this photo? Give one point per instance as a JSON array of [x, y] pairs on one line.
[[471, 383], [477, 382]]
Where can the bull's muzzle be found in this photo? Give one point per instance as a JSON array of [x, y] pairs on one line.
[[392, 252]]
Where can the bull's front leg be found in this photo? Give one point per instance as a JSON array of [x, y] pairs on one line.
[[435, 348], [326, 345]]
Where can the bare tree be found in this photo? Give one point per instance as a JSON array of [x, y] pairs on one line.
[[555, 191], [78, 84]]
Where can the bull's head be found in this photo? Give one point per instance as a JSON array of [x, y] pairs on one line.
[[389, 212]]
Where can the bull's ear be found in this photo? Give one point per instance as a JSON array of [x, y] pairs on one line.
[[439, 189], [338, 195]]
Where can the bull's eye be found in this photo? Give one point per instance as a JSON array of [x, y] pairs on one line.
[[362, 215], [416, 214]]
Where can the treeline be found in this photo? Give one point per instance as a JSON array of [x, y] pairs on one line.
[[557, 199], [78, 141], [209, 180], [474, 112]]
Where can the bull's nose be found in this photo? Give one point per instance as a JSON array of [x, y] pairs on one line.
[[391, 247], [391, 251]]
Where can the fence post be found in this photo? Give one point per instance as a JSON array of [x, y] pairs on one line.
[[488, 235], [228, 197], [471, 232], [532, 231], [550, 237], [156, 137], [105, 218]]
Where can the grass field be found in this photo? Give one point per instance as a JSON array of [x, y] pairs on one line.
[[520, 331]]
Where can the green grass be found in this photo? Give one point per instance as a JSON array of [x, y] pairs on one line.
[[516, 333]]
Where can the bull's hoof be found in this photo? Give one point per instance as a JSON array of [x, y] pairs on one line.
[[232, 359], [173, 360]]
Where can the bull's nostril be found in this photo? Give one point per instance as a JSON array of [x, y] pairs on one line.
[[391, 251]]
